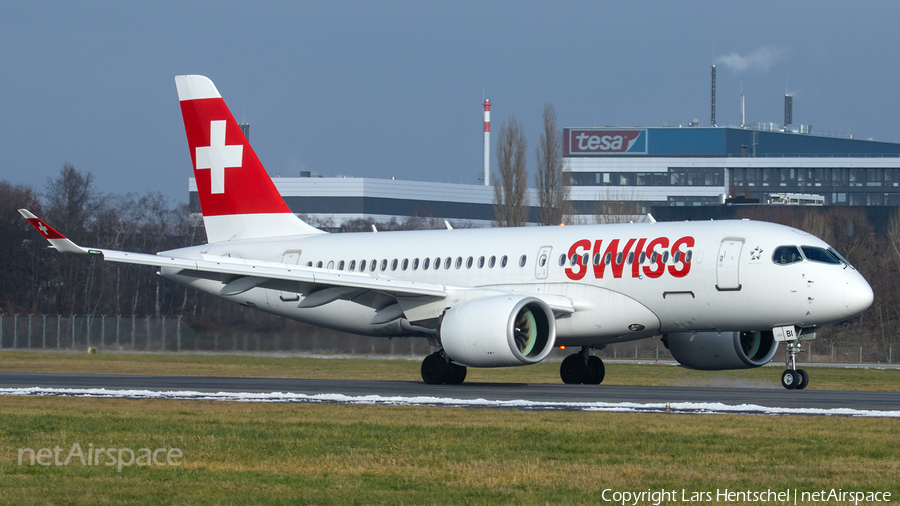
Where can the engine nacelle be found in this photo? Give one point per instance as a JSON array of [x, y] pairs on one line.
[[499, 331], [713, 351]]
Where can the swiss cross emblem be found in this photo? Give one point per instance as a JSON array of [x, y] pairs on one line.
[[42, 228], [217, 156]]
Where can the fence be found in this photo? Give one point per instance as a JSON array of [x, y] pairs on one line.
[[170, 334]]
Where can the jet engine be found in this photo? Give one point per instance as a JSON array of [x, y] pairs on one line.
[[714, 351], [498, 331]]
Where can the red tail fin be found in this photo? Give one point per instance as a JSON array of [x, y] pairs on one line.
[[238, 199]]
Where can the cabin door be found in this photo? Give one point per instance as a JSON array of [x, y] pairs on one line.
[[542, 266], [290, 258], [728, 265]]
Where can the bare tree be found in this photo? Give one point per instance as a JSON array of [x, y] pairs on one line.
[[614, 206], [510, 190], [552, 188]]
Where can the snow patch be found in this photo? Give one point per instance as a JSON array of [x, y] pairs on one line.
[[676, 407]]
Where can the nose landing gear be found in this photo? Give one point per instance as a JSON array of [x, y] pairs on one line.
[[793, 378]]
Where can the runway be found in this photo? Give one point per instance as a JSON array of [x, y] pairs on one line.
[[487, 395]]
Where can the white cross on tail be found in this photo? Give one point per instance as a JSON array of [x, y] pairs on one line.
[[217, 156]]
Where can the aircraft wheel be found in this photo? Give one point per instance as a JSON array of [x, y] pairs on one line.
[[456, 374], [572, 370], [803, 379], [595, 371], [789, 379], [434, 369]]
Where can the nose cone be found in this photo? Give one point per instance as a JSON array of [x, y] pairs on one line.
[[858, 295]]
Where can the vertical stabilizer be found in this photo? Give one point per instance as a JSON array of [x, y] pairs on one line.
[[237, 196]]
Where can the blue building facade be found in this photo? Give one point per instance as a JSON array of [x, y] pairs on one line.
[[694, 166]]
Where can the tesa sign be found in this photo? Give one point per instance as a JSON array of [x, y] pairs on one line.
[[605, 142]]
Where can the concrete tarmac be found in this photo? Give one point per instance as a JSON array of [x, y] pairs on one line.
[[776, 397]]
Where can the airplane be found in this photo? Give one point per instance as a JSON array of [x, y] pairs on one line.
[[722, 294]]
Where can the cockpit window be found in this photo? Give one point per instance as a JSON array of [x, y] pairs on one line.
[[839, 257], [819, 255], [786, 255]]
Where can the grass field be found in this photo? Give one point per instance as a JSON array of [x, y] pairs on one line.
[[239, 453], [823, 378], [242, 453]]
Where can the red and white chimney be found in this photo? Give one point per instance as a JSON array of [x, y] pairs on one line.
[[487, 142]]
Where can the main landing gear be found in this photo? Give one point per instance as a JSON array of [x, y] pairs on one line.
[[582, 367], [437, 368], [793, 378]]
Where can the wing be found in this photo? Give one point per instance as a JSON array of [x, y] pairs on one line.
[[247, 273], [419, 301]]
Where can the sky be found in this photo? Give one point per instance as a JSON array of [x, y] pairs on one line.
[[395, 89]]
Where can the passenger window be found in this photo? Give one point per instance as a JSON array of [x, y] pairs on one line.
[[352, 266], [372, 265], [426, 264], [543, 260], [405, 264], [469, 262], [362, 266], [331, 264], [597, 257], [503, 260], [785, 255], [309, 264], [458, 262], [480, 262], [574, 259], [437, 263], [631, 258], [619, 258], [492, 262], [819, 255], [562, 260], [665, 256], [415, 264], [394, 264], [687, 257], [384, 265], [608, 258], [447, 262], [643, 257], [319, 264], [585, 258], [522, 261], [676, 257], [341, 265]]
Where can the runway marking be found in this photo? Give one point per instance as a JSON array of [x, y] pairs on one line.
[[653, 407]]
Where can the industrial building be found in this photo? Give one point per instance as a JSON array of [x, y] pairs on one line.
[[696, 166], [336, 200]]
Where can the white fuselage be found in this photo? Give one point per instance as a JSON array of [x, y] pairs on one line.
[[640, 279]]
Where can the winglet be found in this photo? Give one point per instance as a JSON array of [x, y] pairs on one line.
[[57, 240]]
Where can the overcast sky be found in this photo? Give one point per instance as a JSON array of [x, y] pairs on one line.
[[388, 88]]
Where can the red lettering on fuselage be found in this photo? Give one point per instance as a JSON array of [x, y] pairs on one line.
[[576, 274], [679, 257], [652, 261]]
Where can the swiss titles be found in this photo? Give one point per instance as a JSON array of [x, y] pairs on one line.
[[630, 258]]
